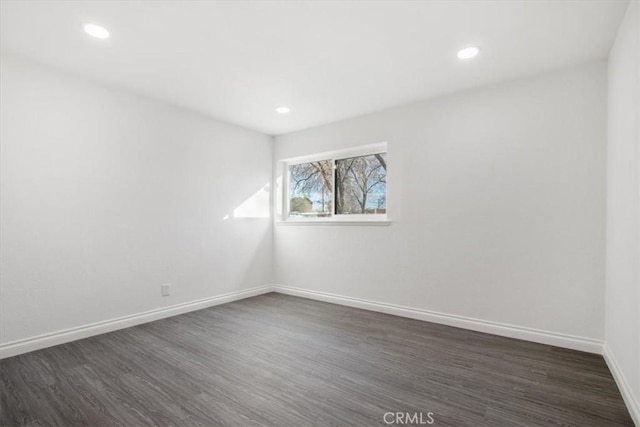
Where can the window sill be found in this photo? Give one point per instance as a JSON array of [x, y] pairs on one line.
[[374, 223]]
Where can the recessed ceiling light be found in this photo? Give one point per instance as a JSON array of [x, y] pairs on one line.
[[468, 52], [282, 110], [96, 31]]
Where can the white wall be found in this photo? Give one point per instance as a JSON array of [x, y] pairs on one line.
[[623, 209], [497, 198], [106, 195]]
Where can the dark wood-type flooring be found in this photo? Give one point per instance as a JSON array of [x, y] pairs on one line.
[[281, 360]]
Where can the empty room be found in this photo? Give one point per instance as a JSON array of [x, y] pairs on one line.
[[320, 213]]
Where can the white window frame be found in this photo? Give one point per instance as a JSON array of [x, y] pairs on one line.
[[335, 219]]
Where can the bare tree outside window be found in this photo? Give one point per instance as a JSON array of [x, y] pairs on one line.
[[360, 185], [311, 189]]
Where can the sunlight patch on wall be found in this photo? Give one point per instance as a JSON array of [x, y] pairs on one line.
[[256, 206], [279, 196]]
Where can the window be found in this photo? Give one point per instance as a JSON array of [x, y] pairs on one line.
[[347, 185]]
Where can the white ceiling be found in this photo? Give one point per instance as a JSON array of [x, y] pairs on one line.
[[327, 60]]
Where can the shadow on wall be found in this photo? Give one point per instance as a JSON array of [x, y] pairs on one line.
[[255, 206]]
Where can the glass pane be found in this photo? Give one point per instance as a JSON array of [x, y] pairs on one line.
[[361, 185], [310, 189]]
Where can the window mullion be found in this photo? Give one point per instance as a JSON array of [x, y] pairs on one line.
[[335, 189]]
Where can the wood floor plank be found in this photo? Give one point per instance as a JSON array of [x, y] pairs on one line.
[[282, 360]]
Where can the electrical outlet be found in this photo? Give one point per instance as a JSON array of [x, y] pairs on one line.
[[165, 289]]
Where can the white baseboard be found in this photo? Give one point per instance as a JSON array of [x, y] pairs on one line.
[[15, 348], [495, 328], [60, 337], [632, 402]]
